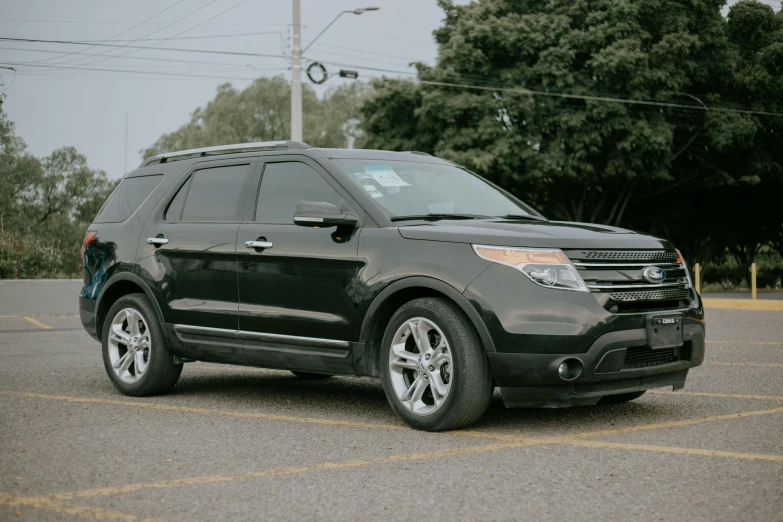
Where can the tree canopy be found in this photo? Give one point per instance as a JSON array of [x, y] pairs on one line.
[[262, 112], [519, 94]]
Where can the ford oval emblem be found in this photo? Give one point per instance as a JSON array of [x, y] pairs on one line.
[[653, 274]]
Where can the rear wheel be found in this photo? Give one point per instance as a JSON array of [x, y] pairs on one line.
[[434, 371], [135, 354], [310, 376], [620, 397]]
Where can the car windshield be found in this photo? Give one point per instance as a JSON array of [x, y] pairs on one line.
[[408, 188]]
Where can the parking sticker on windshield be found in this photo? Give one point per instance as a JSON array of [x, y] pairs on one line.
[[372, 191], [385, 175]]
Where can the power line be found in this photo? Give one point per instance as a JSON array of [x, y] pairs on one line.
[[142, 58], [79, 68], [521, 90], [123, 32], [107, 22], [194, 37], [206, 51], [159, 30], [600, 98]]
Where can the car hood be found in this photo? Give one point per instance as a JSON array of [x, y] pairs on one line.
[[544, 234]]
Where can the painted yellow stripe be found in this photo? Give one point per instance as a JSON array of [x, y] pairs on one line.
[[57, 506], [36, 322], [763, 365], [37, 315], [204, 411], [673, 450], [511, 442], [762, 343], [393, 459], [679, 423], [721, 395], [325, 466], [743, 304]]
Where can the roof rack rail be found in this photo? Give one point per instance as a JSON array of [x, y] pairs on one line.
[[225, 149], [418, 152]]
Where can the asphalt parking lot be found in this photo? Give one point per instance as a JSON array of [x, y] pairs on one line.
[[235, 443]]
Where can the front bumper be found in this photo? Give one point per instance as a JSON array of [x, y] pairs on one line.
[[534, 329], [531, 379]]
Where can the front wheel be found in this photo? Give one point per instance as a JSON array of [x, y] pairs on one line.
[[434, 371], [135, 355]]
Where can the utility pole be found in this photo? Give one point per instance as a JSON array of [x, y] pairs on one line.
[[126, 144], [296, 75]]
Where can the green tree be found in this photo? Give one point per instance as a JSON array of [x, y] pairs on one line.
[[45, 207], [579, 159], [262, 112], [19, 171]]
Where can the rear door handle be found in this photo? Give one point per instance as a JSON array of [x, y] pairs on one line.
[[157, 241], [258, 244]]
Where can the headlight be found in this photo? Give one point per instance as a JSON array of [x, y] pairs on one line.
[[545, 267]]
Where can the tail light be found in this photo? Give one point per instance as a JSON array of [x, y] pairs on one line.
[[88, 239]]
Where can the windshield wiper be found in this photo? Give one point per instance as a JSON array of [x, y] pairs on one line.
[[527, 217], [437, 216]]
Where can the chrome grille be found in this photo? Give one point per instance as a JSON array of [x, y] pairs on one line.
[[625, 255], [617, 276], [654, 295]]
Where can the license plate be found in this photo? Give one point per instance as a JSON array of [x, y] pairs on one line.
[[664, 331]]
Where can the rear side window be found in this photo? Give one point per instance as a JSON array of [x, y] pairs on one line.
[[126, 198], [283, 185], [214, 194]]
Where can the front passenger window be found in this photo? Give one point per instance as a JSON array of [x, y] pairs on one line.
[[283, 185], [215, 194]]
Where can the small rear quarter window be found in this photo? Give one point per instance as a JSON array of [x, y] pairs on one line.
[[126, 198]]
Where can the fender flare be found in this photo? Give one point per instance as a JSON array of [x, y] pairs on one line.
[[129, 276], [434, 284]]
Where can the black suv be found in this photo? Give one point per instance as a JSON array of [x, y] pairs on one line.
[[396, 265]]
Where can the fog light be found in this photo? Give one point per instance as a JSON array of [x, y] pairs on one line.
[[569, 369]]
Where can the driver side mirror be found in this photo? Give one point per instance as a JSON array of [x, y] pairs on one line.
[[323, 214]]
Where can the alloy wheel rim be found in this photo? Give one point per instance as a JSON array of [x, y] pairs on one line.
[[420, 366], [129, 345]]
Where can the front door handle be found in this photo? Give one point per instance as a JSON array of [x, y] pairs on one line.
[[157, 241], [258, 244]]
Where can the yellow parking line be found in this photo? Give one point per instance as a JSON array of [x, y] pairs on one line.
[[678, 423], [36, 322], [393, 459], [325, 466], [672, 449], [57, 506], [721, 395], [511, 442], [767, 365], [204, 411]]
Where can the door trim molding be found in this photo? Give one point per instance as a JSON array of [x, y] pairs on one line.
[[289, 339]]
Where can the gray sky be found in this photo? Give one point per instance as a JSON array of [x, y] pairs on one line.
[[57, 107]]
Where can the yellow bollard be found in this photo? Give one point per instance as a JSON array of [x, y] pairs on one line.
[[697, 277], [753, 281]]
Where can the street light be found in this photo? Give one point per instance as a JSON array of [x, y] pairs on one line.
[[355, 11], [296, 65]]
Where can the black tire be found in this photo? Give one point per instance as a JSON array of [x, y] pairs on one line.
[[471, 378], [161, 373], [310, 376], [620, 397]]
